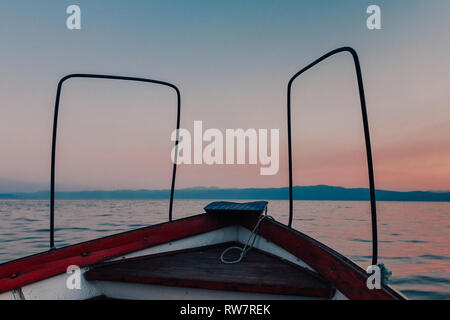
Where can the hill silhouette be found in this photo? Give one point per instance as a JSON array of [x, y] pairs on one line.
[[319, 192]]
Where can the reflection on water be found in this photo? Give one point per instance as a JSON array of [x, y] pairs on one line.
[[414, 237]]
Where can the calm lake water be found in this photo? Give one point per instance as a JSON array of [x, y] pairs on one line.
[[414, 237]]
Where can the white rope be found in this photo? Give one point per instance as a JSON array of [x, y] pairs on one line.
[[248, 246]]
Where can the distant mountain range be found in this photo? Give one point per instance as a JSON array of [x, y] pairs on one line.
[[319, 192]]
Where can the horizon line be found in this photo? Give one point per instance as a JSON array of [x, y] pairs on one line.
[[317, 192], [220, 188]]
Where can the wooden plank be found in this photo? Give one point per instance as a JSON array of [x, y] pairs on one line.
[[258, 272]]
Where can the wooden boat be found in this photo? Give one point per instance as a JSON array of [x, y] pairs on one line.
[[182, 260], [190, 258]]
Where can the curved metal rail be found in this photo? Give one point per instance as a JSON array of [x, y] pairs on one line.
[[55, 130], [366, 136]]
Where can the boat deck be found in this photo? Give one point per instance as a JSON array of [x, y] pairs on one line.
[[258, 272]]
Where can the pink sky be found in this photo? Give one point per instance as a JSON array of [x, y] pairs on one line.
[[232, 71]]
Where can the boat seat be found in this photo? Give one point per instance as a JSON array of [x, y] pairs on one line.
[[236, 207], [258, 272]]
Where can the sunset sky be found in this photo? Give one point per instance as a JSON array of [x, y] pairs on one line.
[[232, 61]]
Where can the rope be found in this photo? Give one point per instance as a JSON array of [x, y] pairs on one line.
[[248, 246]]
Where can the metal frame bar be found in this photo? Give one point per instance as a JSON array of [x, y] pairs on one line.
[[366, 136], [55, 129]]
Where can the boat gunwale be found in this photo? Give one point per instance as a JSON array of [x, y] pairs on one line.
[[313, 243], [56, 249], [81, 254]]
